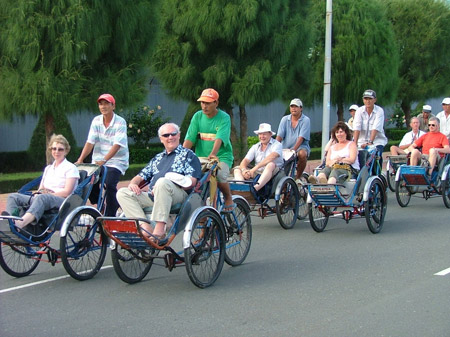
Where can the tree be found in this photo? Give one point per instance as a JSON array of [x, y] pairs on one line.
[[422, 31], [364, 53], [248, 50], [58, 56]]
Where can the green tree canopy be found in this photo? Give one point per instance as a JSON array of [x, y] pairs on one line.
[[248, 50], [422, 30], [364, 52], [58, 56]]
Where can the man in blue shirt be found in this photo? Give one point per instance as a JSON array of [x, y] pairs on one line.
[[294, 133], [163, 192]]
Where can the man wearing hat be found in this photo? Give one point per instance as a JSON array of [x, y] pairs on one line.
[[268, 157], [368, 125], [164, 190], [352, 111], [294, 133], [444, 117], [424, 117], [209, 132], [108, 138]]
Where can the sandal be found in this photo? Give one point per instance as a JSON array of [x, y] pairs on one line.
[[228, 208]]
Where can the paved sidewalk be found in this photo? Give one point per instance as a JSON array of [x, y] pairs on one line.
[[309, 168]]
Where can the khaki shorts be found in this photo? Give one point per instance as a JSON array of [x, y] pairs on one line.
[[223, 172]]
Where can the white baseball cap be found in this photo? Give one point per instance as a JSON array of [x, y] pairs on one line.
[[353, 107], [297, 102], [426, 108], [446, 100]]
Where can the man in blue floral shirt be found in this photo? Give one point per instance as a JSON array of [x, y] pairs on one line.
[[163, 192]]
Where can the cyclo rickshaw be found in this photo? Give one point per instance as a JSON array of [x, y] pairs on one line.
[[280, 196], [392, 165], [209, 237], [364, 196], [411, 180], [82, 245]]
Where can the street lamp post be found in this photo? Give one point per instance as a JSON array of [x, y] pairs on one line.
[[327, 78]]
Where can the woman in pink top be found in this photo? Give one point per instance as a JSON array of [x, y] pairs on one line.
[[342, 158]]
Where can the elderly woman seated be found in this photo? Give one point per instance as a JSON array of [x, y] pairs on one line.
[[268, 157], [342, 158]]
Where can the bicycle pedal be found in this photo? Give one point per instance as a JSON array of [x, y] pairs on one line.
[[169, 261]]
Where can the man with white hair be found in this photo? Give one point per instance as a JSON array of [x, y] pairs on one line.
[[444, 117], [408, 138], [434, 145]]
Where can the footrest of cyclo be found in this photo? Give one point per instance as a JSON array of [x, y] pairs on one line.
[[414, 175], [327, 195], [124, 231], [9, 237]]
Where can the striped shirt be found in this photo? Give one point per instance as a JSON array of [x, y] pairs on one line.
[[104, 138]]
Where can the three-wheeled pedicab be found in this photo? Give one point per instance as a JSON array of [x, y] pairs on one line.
[[414, 181], [82, 245], [364, 196], [209, 238], [281, 196]]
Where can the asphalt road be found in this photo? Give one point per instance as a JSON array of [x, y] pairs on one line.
[[342, 282]]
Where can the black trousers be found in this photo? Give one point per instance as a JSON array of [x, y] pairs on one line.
[[112, 179]]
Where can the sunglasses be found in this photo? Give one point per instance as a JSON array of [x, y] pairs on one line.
[[59, 149], [431, 124], [166, 135]]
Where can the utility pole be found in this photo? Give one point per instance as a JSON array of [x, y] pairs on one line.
[[327, 78]]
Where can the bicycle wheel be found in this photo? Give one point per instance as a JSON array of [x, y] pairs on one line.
[[238, 230], [132, 265], [317, 219], [302, 204], [83, 248], [446, 191], [287, 204], [375, 207], [206, 252], [402, 193], [18, 261], [390, 177]]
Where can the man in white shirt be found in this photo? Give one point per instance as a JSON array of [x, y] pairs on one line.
[[408, 138], [444, 117], [368, 125]]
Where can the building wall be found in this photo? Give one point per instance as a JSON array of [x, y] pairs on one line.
[[15, 136]]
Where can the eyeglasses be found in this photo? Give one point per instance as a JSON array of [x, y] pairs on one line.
[[431, 124], [166, 135], [59, 149]]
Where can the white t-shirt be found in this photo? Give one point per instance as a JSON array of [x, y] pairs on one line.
[[258, 156], [410, 137], [55, 177]]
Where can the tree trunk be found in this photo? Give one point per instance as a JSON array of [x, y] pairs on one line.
[[406, 107], [49, 130], [340, 111], [233, 136], [243, 130]]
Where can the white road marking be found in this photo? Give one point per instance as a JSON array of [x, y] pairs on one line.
[[41, 282], [443, 272]]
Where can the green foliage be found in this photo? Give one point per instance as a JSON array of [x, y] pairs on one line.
[[191, 110], [139, 155], [422, 31], [143, 124], [248, 50], [38, 144], [395, 134], [58, 56], [364, 51]]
